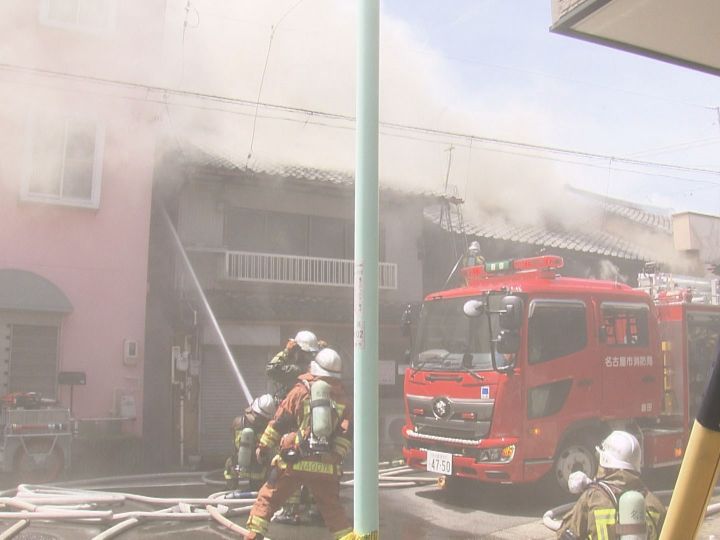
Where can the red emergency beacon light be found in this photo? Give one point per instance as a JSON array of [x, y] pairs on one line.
[[544, 263]]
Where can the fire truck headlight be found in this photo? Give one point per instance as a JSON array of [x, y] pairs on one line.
[[496, 455]]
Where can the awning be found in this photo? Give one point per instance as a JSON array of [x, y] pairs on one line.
[[25, 291], [676, 31]]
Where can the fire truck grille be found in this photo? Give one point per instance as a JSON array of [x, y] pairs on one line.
[[467, 419]]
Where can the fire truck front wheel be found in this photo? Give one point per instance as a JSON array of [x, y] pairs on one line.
[[38, 462], [574, 455]]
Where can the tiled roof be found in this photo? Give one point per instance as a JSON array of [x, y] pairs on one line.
[[217, 158], [655, 218], [498, 228]]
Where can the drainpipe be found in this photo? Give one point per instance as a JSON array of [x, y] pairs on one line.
[[366, 332], [206, 305]]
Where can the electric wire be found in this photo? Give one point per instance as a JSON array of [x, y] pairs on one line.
[[351, 119], [273, 29]]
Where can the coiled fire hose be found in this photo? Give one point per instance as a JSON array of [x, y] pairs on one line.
[[86, 502]]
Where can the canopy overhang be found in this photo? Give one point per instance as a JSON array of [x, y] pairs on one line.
[[21, 290], [675, 31]]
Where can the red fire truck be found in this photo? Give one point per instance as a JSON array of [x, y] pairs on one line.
[[518, 375]]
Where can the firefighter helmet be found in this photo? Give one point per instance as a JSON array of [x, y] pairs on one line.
[[620, 450], [307, 341], [327, 363], [264, 406]]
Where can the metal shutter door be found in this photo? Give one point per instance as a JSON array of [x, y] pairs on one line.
[[222, 399], [33, 359]]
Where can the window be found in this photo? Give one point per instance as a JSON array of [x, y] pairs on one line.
[[94, 16], [64, 160], [245, 229], [287, 233], [265, 231], [328, 237], [555, 328], [624, 324], [547, 399]]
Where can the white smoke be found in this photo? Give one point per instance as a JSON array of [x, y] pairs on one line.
[[310, 52]]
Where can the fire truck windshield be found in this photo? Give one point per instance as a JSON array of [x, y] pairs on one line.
[[448, 340]]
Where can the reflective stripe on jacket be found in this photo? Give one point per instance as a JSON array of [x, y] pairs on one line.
[[293, 414], [594, 515]]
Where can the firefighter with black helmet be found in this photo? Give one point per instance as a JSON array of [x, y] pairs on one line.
[[247, 430], [310, 435], [598, 512]]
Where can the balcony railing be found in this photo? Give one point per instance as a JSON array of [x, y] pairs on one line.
[[274, 268]]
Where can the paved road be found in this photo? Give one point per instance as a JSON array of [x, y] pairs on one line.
[[417, 513]]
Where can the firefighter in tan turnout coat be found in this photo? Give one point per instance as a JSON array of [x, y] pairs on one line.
[[595, 514], [311, 433]]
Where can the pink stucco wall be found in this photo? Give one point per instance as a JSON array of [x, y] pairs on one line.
[[98, 258]]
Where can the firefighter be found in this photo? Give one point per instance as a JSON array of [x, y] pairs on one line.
[[247, 430], [309, 436], [283, 370], [595, 514]]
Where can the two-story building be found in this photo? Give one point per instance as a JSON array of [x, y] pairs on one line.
[[75, 192], [272, 247]]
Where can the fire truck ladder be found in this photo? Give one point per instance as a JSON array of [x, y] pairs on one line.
[[451, 220]]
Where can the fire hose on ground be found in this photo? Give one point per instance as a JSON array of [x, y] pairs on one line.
[[84, 502]]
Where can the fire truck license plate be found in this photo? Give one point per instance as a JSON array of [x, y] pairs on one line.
[[439, 462]]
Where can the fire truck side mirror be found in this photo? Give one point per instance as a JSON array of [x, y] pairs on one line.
[[474, 308], [511, 313], [508, 342]]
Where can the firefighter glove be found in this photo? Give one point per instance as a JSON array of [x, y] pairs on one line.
[[263, 455]]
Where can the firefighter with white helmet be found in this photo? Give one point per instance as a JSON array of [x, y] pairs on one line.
[[247, 430], [598, 513], [310, 435], [284, 369]]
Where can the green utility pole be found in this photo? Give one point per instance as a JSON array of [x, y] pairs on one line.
[[366, 274]]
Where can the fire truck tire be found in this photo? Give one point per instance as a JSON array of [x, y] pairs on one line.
[[575, 455], [49, 468]]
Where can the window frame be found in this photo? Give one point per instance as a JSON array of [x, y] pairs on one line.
[[556, 302], [627, 307], [33, 124], [45, 19], [310, 225]]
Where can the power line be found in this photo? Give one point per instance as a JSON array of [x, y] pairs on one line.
[[273, 29], [349, 118]]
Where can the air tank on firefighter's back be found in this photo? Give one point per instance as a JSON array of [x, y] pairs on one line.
[[322, 424]]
